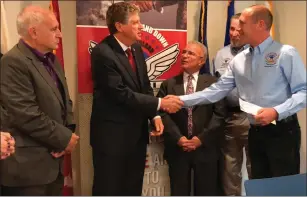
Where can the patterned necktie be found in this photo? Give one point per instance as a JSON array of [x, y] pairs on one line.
[[131, 59], [189, 90]]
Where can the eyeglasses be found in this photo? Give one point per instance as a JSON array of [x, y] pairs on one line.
[[190, 53]]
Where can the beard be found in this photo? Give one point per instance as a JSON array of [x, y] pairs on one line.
[[235, 43]]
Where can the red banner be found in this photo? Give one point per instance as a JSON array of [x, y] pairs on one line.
[[155, 44]]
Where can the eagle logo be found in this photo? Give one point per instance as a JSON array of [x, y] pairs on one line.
[[156, 64], [162, 61]]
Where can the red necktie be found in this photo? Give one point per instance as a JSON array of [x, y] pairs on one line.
[[190, 90], [131, 59]]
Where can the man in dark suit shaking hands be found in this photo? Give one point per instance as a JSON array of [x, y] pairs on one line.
[[37, 109], [123, 102]]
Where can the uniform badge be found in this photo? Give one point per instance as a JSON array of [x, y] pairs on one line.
[[271, 58]]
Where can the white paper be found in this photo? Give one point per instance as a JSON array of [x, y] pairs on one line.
[[250, 108]]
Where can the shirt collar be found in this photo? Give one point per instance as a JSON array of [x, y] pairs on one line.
[[235, 51], [122, 45], [262, 46], [195, 75], [42, 57]]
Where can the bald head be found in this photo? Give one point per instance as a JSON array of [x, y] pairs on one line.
[[261, 12], [29, 17]]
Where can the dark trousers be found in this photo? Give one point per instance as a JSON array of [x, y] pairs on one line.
[[204, 179], [51, 189], [119, 175], [274, 150]]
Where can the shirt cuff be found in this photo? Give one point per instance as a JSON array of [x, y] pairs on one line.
[[281, 113], [159, 104], [156, 117]]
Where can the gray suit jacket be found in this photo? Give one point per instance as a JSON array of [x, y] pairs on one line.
[[36, 115]]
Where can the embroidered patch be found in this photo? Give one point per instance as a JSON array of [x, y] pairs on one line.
[[271, 58], [225, 62]]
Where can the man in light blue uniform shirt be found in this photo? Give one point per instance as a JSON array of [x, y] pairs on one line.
[[270, 75], [237, 124]]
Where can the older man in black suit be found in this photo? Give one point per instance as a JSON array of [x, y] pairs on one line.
[[192, 136]]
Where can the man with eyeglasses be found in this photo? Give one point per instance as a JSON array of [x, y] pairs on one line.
[[192, 135]]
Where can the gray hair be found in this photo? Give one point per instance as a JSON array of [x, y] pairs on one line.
[[201, 46], [28, 17]]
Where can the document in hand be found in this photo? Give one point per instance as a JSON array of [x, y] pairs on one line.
[[250, 108]]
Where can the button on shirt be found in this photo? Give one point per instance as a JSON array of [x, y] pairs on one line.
[[270, 75]]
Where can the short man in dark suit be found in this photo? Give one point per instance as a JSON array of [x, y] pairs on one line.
[[123, 102], [37, 108], [192, 136]]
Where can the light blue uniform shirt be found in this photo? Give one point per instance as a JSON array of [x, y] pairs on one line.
[[271, 75]]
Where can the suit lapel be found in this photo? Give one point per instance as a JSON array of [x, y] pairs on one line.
[[42, 70], [46, 76], [179, 88], [202, 83], [138, 64], [123, 59], [57, 66]]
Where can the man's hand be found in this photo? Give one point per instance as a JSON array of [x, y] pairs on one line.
[[265, 116], [181, 141], [192, 144], [72, 143], [57, 155], [7, 145], [171, 104], [159, 127]]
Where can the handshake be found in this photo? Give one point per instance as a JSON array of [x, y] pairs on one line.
[[171, 104]]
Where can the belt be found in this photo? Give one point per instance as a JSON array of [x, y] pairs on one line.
[[234, 109]]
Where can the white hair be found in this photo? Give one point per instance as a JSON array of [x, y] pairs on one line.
[[29, 17], [201, 46]]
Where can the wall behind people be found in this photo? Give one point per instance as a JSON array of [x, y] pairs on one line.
[[290, 24]]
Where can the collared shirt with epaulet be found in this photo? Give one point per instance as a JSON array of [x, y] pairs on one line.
[[271, 75], [220, 64]]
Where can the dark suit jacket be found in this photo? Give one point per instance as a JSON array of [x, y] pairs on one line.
[[208, 120], [123, 100], [36, 115]]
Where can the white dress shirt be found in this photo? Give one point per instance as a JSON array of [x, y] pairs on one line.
[[194, 80]]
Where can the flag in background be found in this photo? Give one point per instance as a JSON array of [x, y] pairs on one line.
[[202, 35], [67, 168], [230, 13], [269, 4], [4, 30]]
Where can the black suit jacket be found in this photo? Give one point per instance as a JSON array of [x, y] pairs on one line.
[[36, 114], [208, 120], [123, 100]]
